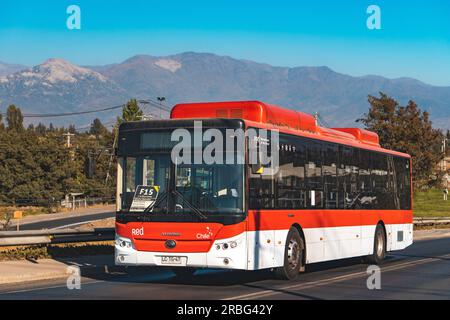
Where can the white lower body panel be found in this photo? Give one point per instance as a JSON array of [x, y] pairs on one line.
[[265, 249]]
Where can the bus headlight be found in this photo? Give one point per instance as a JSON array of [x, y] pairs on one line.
[[233, 244], [124, 243]]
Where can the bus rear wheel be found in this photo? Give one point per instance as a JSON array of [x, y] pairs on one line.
[[293, 256], [379, 246], [181, 272]]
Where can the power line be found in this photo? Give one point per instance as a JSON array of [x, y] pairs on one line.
[[106, 124], [51, 115], [155, 104], [158, 105]]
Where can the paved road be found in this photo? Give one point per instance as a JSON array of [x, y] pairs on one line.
[[65, 221], [419, 272]]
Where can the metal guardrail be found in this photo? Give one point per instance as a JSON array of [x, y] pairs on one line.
[[36, 237], [422, 221]]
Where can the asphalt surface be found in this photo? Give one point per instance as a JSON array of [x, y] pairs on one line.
[[66, 221], [422, 271]]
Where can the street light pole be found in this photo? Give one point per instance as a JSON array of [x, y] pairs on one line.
[[160, 100]]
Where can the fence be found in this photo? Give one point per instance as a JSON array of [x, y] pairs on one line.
[[85, 202], [36, 237], [431, 221], [49, 203]]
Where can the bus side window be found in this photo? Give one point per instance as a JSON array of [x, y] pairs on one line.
[[262, 191], [348, 177], [314, 175], [365, 198], [329, 169], [380, 182], [402, 175], [290, 179]]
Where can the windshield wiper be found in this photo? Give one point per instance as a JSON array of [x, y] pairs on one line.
[[194, 209], [156, 203]]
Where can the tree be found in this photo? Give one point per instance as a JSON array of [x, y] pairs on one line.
[[97, 128], [406, 129], [14, 118], [41, 129], [131, 112], [37, 166], [72, 128]]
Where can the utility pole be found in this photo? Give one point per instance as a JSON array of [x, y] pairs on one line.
[[68, 135], [444, 149], [111, 156]]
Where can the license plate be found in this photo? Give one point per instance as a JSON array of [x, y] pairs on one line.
[[170, 260]]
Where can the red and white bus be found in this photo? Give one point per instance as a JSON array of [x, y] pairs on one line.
[[336, 194]]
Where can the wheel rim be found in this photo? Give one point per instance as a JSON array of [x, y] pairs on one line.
[[293, 254], [380, 244]]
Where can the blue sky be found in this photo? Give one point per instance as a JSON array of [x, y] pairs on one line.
[[414, 40]]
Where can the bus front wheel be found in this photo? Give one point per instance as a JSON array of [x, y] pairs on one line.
[[379, 246], [293, 256]]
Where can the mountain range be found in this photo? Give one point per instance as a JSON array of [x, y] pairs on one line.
[[58, 86], [6, 68]]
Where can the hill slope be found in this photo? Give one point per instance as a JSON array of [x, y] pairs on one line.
[[339, 98]]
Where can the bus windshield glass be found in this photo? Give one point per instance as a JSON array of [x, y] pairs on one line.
[[153, 183]]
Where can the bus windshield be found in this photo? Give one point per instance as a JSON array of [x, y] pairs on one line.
[[216, 188], [204, 188]]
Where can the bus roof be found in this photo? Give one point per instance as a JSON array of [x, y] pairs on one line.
[[265, 115]]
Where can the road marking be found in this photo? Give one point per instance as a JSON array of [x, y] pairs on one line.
[[75, 224], [34, 220], [311, 284], [49, 287]]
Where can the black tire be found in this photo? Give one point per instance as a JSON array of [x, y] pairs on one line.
[[379, 246], [293, 256], [181, 272]]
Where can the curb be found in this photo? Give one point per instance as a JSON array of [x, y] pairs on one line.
[[54, 270], [33, 278], [86, 271]]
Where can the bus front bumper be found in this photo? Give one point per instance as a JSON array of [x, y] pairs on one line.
[[217, 257]]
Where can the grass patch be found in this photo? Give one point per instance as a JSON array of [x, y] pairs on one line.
[[56, 251], [430, 203]]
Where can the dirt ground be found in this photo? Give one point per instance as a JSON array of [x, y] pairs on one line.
[[104, 223]]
